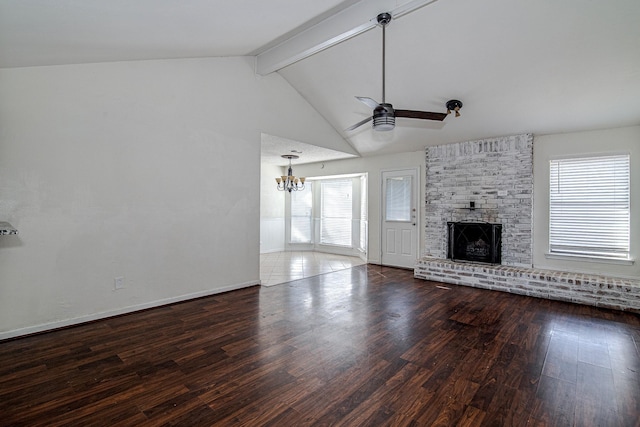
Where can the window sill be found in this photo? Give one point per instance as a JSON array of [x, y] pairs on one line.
[[590, 259]]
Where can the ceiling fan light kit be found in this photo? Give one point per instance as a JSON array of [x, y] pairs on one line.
[[384, 115], [384, 118]]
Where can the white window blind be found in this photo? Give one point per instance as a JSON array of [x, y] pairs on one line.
[[301, 208], [398, 197], [336, 212], [589, 207], [363, 213]]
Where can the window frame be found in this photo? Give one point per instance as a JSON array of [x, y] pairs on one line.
[[354, 249], [599, 254], [307, 192], [324, 239]]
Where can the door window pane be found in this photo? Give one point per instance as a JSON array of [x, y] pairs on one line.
[[398, 198]]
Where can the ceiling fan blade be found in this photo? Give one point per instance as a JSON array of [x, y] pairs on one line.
[[367, 101], [368, 119], [425, 115]]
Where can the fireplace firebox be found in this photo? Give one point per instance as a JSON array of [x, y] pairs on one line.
[[474, 241]]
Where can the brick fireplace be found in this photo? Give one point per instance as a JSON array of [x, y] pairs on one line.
[[491, 181], [496, 175]]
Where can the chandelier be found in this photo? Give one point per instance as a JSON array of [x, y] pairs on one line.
[[290, 182]]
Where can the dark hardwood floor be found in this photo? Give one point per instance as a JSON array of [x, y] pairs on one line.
[[368, 346]]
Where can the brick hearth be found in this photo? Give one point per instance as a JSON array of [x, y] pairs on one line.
[[589, 289]]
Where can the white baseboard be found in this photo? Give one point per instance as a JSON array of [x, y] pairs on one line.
[[111, 313], [272, 251]]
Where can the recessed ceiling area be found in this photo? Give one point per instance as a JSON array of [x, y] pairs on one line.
[[273, 147]]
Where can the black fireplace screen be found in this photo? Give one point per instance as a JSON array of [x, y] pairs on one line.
[[475, 241]]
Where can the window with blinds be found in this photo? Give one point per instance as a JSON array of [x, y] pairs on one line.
[[336, 212], [398, 198], [363, 214], [301, 214], [589, 205]]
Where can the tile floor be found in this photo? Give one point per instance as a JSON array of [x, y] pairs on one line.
[[281, 267]]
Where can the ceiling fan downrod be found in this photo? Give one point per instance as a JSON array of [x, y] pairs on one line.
[[384, 118], [384, 19]]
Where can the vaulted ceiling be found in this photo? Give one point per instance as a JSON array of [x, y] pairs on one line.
[[543, 66]]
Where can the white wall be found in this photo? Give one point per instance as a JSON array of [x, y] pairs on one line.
[[272, 213], [145, 170], [374, 167], [547, 147]]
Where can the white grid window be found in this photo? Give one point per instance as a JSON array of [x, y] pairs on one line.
[[589, 204]]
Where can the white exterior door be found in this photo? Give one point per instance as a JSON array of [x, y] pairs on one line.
[[399, 218]]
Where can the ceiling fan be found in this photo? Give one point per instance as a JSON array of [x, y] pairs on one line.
[[384, 115]]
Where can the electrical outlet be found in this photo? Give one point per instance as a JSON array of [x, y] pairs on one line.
[[118, 283]]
